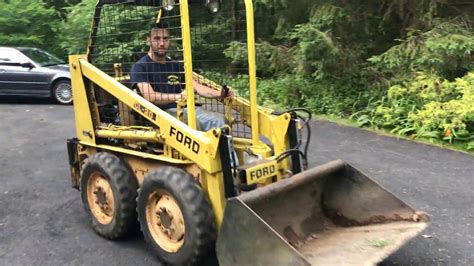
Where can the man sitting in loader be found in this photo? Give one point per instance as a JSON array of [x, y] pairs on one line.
[[159, 79]]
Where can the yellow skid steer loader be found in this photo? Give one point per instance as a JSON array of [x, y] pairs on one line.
[[240, 189]]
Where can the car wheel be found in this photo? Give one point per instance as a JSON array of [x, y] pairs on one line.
[[62, 92]]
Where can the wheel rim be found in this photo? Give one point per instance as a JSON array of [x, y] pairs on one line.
[[63, 93], [100, 198], [165, 221]]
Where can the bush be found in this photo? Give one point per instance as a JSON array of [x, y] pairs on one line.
[[452, 119], [428, 107]]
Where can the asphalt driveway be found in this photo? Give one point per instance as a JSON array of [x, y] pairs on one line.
[[42, 221]]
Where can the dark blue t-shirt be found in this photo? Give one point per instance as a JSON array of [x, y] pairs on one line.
[[164, 78]]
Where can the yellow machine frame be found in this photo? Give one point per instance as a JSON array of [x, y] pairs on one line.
[[199, 148], [339, 210]]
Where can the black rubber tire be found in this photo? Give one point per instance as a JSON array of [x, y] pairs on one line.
[[57, 98], [124, 188], [200, 232]]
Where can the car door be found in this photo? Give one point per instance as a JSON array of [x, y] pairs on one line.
[[20, 76], [8, 59]]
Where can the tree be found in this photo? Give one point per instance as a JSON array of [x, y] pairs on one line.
[[61, 6], [73, 31], [27, 23]]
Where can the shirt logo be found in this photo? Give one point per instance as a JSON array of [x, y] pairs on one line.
[[173, 80]]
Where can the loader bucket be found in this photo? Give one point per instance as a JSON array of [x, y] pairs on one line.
[[330, 214]]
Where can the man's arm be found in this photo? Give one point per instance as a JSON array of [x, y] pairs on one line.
[[139, 77], [207, 92], [158, 98]]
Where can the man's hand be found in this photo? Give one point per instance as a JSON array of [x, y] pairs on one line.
[[207, 92], [182, 95], [226, 92]]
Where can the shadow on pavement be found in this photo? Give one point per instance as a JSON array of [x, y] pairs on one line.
[[25, 100]]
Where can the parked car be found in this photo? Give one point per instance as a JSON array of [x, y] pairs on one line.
[[33, 72]]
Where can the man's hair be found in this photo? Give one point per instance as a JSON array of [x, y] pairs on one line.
[[160, 25]]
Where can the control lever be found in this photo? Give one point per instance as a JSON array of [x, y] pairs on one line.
[[224, 91]]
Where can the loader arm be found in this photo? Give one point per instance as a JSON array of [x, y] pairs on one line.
[[273, 127], [197, 146]]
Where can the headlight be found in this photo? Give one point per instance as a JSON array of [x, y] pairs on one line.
[[213, 6], [168, 5], [250, 157]]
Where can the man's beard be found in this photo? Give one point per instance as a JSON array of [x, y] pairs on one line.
[[159, 54]]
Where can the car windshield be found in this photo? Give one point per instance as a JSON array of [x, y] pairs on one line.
[[42, 58]]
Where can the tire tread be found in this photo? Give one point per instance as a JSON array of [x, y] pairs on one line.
[[185, 189], [124, 184]]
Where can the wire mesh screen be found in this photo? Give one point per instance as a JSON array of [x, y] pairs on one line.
[[126, 35], [220, 54], [139, 43]]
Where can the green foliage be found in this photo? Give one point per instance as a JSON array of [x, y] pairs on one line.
[[122, 34], [452, 117], [402, 65], [427, 107], [396, 65], [26, 23], [73, 31], [447, 49], [380, 242], [61, 6], [315, 51]]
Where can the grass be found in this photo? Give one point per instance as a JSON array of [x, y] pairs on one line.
[[380, 243], [352, 123]]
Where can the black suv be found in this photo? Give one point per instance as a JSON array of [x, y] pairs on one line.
[[33, 72]]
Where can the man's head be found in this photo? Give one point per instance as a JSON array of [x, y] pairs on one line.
[[159, 40]]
